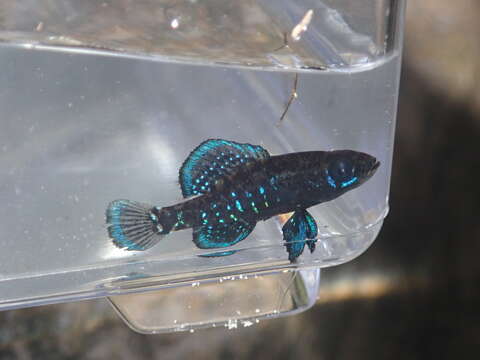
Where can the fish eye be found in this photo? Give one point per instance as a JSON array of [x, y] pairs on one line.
[[341, 170]]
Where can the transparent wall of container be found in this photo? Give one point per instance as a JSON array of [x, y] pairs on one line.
[[105, 100]]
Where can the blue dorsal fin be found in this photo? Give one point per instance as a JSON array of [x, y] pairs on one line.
[[300, 227], [212, 160], [221, 235]]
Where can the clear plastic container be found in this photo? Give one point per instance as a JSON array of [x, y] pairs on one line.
[[106, 100]]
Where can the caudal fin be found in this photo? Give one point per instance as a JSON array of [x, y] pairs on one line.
[[133, 225]]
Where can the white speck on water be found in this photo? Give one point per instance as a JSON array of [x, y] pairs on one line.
[[195, 284], [18, 191], [302, 26], [257, 321], [232, 324], [247, 323], [175, 23], [192, 331]]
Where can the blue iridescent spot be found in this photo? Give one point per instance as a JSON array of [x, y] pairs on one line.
[[262, 190], [229, 207], [233, 194], [217, 214], [349, 182], [249, 195], [239, 206], [331, 181], [204, 214]]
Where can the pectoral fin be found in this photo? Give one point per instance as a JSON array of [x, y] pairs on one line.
[[299, 230]]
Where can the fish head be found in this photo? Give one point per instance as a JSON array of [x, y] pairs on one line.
[[348, 169]]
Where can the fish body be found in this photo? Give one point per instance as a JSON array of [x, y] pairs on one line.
[[229, 187]]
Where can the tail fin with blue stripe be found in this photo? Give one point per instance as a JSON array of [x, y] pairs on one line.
[[133, 225]]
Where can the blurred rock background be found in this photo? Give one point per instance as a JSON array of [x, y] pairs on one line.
[[413, 295]]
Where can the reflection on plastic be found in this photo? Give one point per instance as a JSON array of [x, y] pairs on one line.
[[230, 301]]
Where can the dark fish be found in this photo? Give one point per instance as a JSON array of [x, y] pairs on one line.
[[229, 187]]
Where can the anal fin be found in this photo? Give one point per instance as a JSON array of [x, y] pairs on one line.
[[221, 235]]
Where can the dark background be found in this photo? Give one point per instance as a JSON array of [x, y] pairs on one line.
[[413, 295]]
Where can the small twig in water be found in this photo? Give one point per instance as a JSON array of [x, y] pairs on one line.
[[295, 35], [293, 96]]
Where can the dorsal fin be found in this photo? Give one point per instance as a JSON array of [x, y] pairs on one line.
[[212, 160]]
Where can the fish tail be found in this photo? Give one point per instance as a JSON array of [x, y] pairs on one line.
[[133, 225]]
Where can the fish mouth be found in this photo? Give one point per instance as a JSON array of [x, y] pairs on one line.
[[374, 167]]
